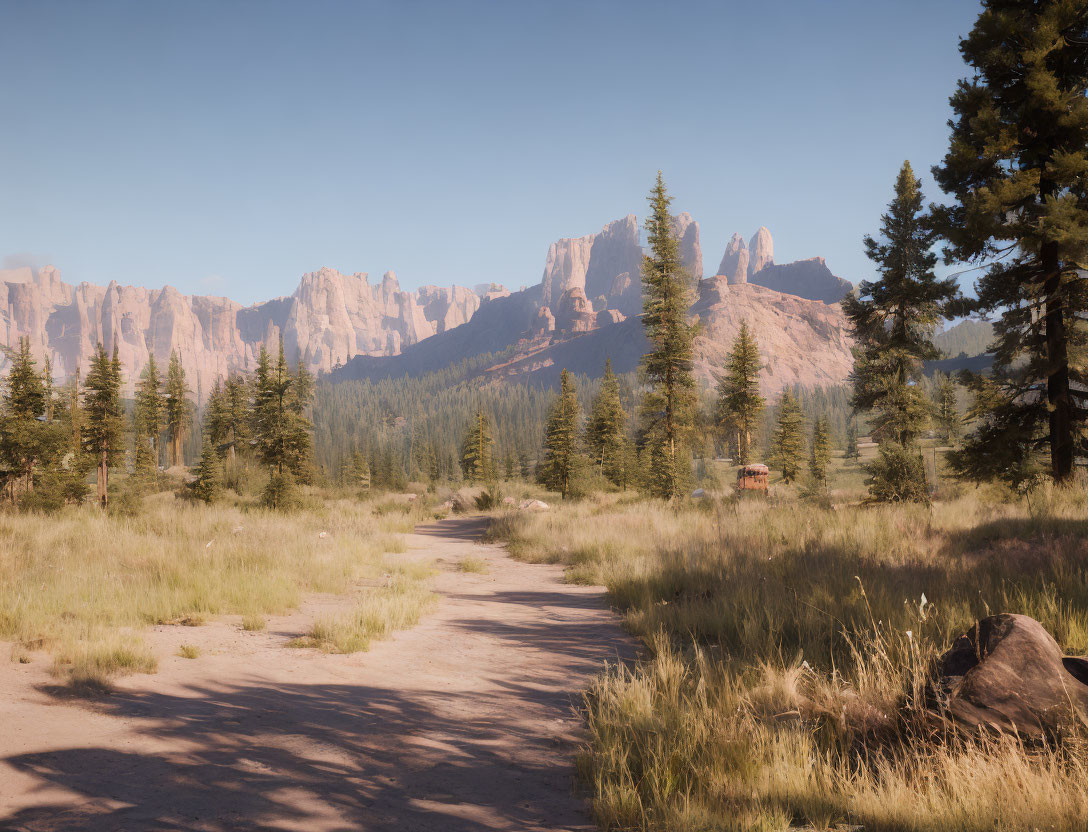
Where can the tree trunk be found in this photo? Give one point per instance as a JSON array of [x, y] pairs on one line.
[[103, 473], [1057, 383]]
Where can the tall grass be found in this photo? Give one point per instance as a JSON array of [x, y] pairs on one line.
[[789, 643], [70, 583]]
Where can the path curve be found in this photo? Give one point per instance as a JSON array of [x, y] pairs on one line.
[[465, 722]]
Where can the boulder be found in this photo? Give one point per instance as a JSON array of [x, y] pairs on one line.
[[1008, 674], [533, 505]]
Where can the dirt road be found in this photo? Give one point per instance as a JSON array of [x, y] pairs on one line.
[[464, 722]]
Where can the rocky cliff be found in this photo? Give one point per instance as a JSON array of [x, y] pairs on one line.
[[330, 319], [754, 263]]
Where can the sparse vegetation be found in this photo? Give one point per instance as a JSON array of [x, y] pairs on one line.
[[788, 644], [189, 651], [473, 564]]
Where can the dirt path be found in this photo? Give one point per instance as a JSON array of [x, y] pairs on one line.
[[463, 723]]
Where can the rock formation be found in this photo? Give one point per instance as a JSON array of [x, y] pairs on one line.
[[330, 319], [810, 279], [691, 253], [734, 265], [590, 263], [760, 251]]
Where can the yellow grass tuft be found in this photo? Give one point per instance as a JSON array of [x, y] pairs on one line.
[[474, 564]]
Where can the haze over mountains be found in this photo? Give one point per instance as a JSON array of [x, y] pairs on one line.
[[583, 310]]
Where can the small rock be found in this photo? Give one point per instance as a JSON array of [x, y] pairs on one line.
[[322, 534]]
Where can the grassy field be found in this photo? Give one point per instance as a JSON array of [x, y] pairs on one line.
[[787, 643], [82, 584]]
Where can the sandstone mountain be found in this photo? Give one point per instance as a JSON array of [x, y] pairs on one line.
[[754, 263], [584, 309], [329, 319]]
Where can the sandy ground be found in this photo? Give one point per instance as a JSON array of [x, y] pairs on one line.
[[465, 722]]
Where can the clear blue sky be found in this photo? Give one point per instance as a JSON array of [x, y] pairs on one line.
[[229, 147]]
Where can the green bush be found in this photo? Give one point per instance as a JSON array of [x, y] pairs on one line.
[[898, 475]]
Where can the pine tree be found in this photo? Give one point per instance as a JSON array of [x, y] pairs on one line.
[[893, 318], [739, 401], [509, 466], [280, 427], [102, 431], [25, 437], [820, 452], [787, 441], [560, 465], [947, 412], [1016, 171], [606, 428], [236, 414], [477, 450], [178, 409], [147, 416], [208, 484], [668, 407], [360, 471], [852, 451]]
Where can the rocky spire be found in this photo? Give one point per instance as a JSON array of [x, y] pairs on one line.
[[760, 251], [734, 263]]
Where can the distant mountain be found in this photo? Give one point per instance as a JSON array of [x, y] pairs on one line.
[[344, 326], [586, 309], [968, 338], [329, 319]]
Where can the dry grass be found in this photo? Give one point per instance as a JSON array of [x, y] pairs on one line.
[[473, 564], [189, 651], [71, 583], [396, 605], [789, 641]]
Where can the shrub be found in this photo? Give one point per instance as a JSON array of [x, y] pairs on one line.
[[898, 475], [281, 493]]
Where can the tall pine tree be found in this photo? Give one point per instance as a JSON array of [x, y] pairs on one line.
[[147, 416], [739, 401], [102, 431], [894, 317], [560, 466], [787, 441], [668, 407], [477, 450], [606, 428], [1017, 168], [178, 408]]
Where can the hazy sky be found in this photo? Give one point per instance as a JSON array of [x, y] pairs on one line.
[[229, 147]]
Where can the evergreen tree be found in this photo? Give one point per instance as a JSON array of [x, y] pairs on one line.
[[236, 415], [208, 484], [25, 436], [820, 452], [510, 466], [178, 408], [947, 412], [102, 431], [147, 416], [893, 319], [787, 441], [852, 451], [739, 401], [561, 439], [360, 471], [476, 451], [606, 429], [280, 427], [668, 407], [1016, 171]]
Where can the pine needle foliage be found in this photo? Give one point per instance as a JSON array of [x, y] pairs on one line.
[[561, 451], [894, 317], [178, 408], [478, 450], [668, 408], [102, 430], [1017, 171], [739, 401], [606, 429], [788, 441], [820, 452], [148, 417]]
